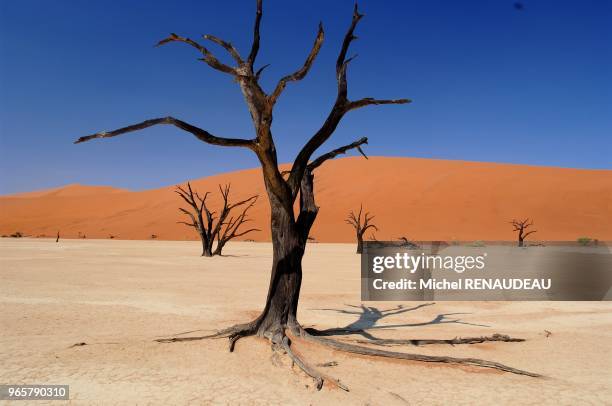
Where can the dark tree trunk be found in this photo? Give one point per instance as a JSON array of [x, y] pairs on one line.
[[521, 241], [206, 246], [288, 246], [289, 237], [219, 248], [206, 251], [359, 243]]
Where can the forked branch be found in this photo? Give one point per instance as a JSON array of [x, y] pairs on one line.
[[341, 106], [334, 153], [300, 73], [207, 56], [339, 151], [228, 47]]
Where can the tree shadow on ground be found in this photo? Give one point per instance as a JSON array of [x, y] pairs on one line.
[[369, 317]]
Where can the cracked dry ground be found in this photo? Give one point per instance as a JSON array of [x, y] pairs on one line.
[[119, 296]]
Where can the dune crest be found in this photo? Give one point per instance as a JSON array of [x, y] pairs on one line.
[[422, 199]]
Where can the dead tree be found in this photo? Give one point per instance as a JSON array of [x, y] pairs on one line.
[[361, 225], [229, 229], [521, 226], [289, 229], [58, 236], [210, 226]]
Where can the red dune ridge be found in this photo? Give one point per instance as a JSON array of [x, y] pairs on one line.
[[421, 199]]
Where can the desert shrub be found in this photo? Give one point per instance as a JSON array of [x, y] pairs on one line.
[[17, 234], [584, 240], [153, 236]]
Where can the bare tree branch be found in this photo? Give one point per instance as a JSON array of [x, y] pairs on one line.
[[187, 224], [228, 47], [338, 151], [258, 73], [368, 101], [334, 153], [341, 106], [207, 56], [255, 46], [300, 73], [200, 134]]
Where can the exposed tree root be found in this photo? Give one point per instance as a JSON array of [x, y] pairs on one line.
[[451, 341], [234, 333], [357, 349], [328, 364], [318, 377], [78, 345], [282, 343]]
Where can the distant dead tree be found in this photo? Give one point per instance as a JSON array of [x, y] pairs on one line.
[[292, 199], [57, 239], [211, 227], [361, 225], [407, 243], [230, 227], [521, 226]]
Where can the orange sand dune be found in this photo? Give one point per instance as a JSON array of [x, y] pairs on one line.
[[421, 199]]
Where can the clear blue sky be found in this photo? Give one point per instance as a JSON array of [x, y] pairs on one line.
[[489, 83]]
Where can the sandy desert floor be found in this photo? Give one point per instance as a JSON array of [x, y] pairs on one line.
[[118, 296]]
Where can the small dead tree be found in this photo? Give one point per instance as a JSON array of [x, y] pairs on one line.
[[230, 228], [211, 227], [361, 224], [521, 226], [58, 236]]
